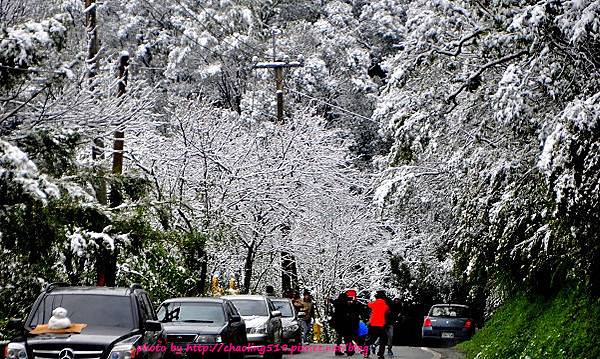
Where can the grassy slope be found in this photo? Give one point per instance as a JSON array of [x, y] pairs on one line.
[[566, 326]]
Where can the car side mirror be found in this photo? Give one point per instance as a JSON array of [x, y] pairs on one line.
[[153, 326], [276, 314], [14, 324], [235, 319], [301, 314]]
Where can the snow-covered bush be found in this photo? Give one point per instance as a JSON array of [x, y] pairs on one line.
[[26, 45]]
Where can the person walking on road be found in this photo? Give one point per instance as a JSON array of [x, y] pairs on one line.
[[377, 322], [305, 306], [341, 322], [390, 321], [355, 309], [309, 310]]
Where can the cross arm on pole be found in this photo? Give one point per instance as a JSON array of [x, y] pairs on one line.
[[278, 64]]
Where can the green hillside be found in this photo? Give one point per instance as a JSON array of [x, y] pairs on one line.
[[565, 326]]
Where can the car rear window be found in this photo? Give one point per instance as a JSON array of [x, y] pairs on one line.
[[449, 311], [284, 307], [206, 313], [95, 310], [248, 307]]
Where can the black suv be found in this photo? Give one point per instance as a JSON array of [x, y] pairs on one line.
[[118, 320]]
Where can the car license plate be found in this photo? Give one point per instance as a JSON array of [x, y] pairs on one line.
[[447, 335]]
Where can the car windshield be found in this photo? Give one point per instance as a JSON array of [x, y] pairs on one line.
[[184, 312], [248, 307], [92, 309], [284, 307], [449, 311]]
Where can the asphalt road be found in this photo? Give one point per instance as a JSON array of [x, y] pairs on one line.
[[399, 352]]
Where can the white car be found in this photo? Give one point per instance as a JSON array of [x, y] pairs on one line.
[[263, 324]]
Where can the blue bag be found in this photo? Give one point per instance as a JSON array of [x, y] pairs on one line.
[[362, 329]]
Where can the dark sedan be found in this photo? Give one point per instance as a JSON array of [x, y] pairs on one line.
[[448, 324], [203, 326]]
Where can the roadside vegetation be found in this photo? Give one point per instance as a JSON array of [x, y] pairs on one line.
[[563, 326]]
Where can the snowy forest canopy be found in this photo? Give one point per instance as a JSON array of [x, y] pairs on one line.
[[439, 149]]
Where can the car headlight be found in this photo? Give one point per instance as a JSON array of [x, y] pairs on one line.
[[208, 339], [261, 329], [16, 351], [125, 349]]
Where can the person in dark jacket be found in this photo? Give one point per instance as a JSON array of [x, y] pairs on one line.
[[342, 324], [377, 321], [390, 321]]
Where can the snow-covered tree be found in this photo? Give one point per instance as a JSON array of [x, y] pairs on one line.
[[477, 100], [253, 180]]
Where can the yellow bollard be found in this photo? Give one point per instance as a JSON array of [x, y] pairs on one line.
[[215, 287], [317, 331], [232, 290]]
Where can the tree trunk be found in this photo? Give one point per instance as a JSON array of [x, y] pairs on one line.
[[93, 40], [100, 184], [107, 268], [289, 273], [248, 267], [203, 274], [93, 47]]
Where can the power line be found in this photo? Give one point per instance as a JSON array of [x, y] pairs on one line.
[[33, 69], [218, 55], [334, 106], [278, 66], [190, 38], [195, 17], [229, 30]]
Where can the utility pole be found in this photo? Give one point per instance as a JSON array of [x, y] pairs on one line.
[[108, 268], [278, 66], [119, 143]]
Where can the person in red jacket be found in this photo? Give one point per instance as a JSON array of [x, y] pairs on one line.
[[377, 321]]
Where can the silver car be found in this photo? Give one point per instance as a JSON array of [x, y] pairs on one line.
[[292, 333], [264, 328]]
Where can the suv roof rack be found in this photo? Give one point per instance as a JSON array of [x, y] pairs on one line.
[[50, 286]]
